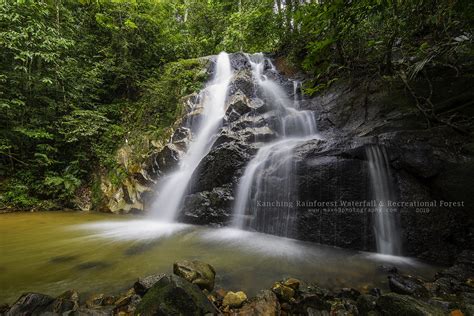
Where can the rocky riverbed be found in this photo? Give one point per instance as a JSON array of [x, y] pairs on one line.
[[191, 290]]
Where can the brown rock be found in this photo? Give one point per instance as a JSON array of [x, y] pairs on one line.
[[292, 283]]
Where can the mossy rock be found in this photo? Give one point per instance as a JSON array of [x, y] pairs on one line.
[[196, 272], [173, 295]]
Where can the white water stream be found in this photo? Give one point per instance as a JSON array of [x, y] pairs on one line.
[[387, 235], [172, 188], [266, 191]]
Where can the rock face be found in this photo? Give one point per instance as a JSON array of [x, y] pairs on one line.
[[172, 295], [196, 272], [430, 164]]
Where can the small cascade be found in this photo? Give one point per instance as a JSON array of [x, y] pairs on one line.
[[385, 219], [296, 94], [266, 192], [172, 188]]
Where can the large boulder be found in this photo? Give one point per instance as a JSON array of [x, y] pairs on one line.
[[219, 167], [173, 295], [196, 272]]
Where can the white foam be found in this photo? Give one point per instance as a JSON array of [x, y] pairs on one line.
[[267, 245], [132, 230]]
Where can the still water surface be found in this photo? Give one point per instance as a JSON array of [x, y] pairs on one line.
[[50, 252]]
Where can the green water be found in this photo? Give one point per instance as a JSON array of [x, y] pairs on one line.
[[49, 253]]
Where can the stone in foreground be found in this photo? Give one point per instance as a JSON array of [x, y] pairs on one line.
[[144, 284], [233, 300], [173, 295], [196, 272], [396, 304]]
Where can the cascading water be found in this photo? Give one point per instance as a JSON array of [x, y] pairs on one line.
[[266, 191], [385, 219], [172, 188]]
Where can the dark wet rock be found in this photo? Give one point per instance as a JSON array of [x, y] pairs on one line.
[[98, 300], [408, 285], [331, 178], [314, 302], [348, 293], [375, 292], [93, 265], [396, 304], [219, 167], [31, 304], [66, 302], [103, 311], [237, 105], [127, 303], [239, 61], [196, 272], [366, 303], [343, 307], [387, 269], [265, 303], [242, 81], [459, 278], [208, 207], [142, 285], [173, 295], [166, 160], [4, 308]]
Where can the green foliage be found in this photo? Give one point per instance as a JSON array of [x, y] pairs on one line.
[[160, 104], [368, 37], [79, 77]]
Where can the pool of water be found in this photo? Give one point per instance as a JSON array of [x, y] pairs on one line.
[[50, 252]]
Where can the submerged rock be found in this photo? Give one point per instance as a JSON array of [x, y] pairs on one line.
[[196, 272], [234, 299], [408, 285], [173, 295]]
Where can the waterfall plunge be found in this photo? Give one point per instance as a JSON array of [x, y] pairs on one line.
[[266, 191], [173, 187], [385, 221]]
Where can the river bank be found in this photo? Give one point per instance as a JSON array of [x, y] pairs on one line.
[[191, 290]]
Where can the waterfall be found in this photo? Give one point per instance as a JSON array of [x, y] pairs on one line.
[[265, 193], [385, 220], [172, 188]]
